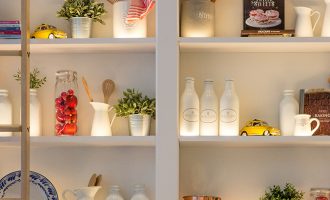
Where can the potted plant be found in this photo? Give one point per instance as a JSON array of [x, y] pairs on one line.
[[36, 82], [139, 111], [81, 14], [288, 193]]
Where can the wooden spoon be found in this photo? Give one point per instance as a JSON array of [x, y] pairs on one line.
[[108, 87], [87, 89], [92, 181], [113, 1], [98, 180]]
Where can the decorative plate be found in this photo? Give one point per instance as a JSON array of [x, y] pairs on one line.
[[255, 24], [40, 187]]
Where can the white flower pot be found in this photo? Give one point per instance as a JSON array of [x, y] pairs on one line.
[[139, 125], [81, 27]]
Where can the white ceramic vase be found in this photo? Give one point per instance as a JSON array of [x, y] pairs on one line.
[[229, 111], [35, 114], [289, 108], [81, 27], [209, 111], [189, 110], [101, 125], [6, 117]]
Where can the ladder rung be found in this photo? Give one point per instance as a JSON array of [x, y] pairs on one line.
[[10, 128], [11, 53]]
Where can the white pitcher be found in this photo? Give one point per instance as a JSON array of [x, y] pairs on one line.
[[101, 121], [326, 22], [86, 193], [303, 125], [304, 26]]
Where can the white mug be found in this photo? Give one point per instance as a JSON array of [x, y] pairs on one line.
[[303, 125]]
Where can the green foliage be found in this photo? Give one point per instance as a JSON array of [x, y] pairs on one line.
[[82, 8], [35, 81], [288, 193], [134, 103]]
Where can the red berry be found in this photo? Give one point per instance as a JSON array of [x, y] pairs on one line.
[[58, 127], [60, 108], [58, 101], [70, 92], [70, 129], [74, 118], [60, 117], [71, 101], [64, 95], [321, 198]]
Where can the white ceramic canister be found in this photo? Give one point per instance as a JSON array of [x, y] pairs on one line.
[[35, 114], [114, 193], [121, 29], [229, 111], [139, 193], [81, 27], [209, 111], [289, 108], [6, 117], [189, 110]]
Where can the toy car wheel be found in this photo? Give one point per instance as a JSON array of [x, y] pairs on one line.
[[244, 134], [33, 37], [266, 133], [51, 36]]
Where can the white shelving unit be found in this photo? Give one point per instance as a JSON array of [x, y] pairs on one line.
[[171, 166]]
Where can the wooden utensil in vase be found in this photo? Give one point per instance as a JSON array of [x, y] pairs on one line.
[[108, 86], [87, 89]]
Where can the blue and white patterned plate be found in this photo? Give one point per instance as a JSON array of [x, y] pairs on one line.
[[40, 187]]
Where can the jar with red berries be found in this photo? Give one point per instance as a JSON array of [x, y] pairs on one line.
[[320, 194], [66, 101]]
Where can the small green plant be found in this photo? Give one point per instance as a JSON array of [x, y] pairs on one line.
[[134, 103], [288, 193], [35, 81], [82, 8]]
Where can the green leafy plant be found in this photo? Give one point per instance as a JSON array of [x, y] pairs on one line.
[[134, 103], [288, 193], [82, 8], [35, 81]]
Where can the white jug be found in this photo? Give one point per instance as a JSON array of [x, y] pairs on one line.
[[326, 22], [86, 193], [304, 27], [303, 125], [101, 121]]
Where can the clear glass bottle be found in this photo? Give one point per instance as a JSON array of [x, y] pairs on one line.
[[209, 111], [114, 193], [289, 108], [189, 110], [66, 101], [35, 113], [6, 117], [229, 111], [139, 193], [198, 18]]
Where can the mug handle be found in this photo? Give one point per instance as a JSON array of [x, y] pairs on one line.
[[317, 124], [66, 192], [318, 18]]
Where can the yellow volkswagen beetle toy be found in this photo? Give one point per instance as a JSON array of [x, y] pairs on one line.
[[259, 128], [45, 31]]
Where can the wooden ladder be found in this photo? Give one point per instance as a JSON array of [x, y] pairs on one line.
[[24, 128]]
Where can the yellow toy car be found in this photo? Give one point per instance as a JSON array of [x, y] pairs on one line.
[[45, 31], [258, 128]]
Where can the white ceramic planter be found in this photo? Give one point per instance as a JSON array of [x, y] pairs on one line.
[[121, 29], [81, 27], [139, 125]]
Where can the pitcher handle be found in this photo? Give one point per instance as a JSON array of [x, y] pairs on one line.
[[66, 192], [317, 124], [317, 20], [114, 116]]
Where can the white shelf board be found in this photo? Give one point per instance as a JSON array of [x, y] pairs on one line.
[[75, 141], [255, 44], [254, 141], [89, 45]]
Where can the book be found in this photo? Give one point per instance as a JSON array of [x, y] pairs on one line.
[[10, 36], [317, 104], [264, 14], [10, 32], [267, 33], [10, 22], [10, 28], [10, 25]]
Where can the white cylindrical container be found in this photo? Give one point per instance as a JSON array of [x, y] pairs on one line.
[[81, 27], [114, 193], [289, 108], [229, 111], [121, 29], [139, 193], [209, 111], [198, 18], [139, 124], [189, 110], [35, 114], [6, 117], [326, 22]]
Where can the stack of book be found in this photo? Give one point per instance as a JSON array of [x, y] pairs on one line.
[[10, 29]]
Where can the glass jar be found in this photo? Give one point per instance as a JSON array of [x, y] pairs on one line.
[[139, 193], [66, 92], [320, 194], [198, 18]]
